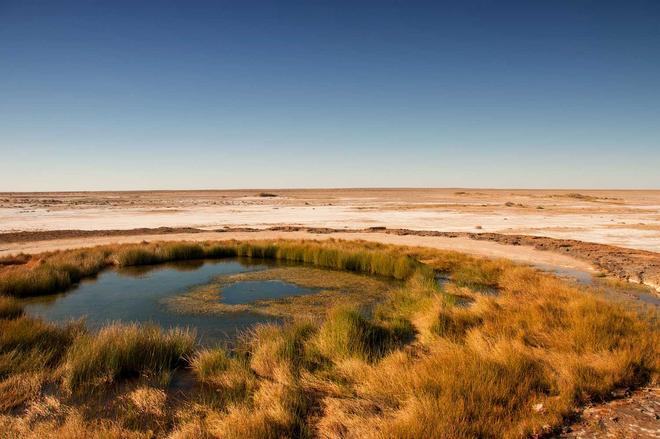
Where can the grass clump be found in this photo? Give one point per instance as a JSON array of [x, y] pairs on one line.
[[55, 273], [154, 254], [229, 379], [210, 362], [18, 389], [346, 333], [466, 393], [481, 274], [120, 351], [10, 308], [21, 282], [281, 352], [28, 344], [453, 323]]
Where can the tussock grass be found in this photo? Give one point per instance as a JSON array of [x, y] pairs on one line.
[[120, 351], [282, 352], [10, 308], [465, 393], [18, 259], [419, 292], [54, 273], [207, 363], [229, 378], [18, 389], [28, 345], [453, 323], [154, 254], [346, 333], [511, 365], [277, 411]]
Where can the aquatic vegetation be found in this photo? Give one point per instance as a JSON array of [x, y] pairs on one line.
[[58, 271], [326, 289]]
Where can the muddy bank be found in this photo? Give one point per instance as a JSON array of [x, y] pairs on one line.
[[624, 263]]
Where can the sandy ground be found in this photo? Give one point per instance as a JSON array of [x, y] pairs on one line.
[[623, 218]]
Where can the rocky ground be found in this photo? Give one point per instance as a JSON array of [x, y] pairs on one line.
[[630, 415]]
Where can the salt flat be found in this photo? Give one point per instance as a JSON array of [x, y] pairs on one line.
[[623, 218]]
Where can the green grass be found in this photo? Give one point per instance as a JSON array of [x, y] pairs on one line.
[[120, 351]]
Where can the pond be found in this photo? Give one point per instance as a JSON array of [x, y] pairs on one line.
[[137, 295]]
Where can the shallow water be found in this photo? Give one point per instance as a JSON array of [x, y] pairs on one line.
[[253, 290], [631, 293], [579, 276], [135, 295]]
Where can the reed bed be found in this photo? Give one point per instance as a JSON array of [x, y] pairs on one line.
[[56, 272]]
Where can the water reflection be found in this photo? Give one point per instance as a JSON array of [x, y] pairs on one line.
[[133, 295]]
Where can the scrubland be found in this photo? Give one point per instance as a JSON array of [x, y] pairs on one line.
[[498, 350]]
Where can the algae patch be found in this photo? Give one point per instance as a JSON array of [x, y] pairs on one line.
[[325, 289]]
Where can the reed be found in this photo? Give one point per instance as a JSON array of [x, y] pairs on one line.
[[59, 271]]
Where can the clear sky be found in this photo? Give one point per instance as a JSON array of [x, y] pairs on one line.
[[229, 94]]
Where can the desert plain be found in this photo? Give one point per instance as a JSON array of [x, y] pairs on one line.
[[625, 218]]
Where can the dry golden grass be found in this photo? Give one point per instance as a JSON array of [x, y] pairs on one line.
[[10, 308], [429, 362], [119, 351]]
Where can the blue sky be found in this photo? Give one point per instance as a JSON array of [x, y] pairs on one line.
[[234, 94]]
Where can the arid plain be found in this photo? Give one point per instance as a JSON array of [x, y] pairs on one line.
[[623, 218]]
